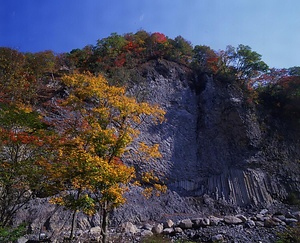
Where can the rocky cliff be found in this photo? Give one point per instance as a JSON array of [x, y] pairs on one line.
[[216, 142], [219, 150]]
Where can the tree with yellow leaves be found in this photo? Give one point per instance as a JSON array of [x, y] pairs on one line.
[[96, 125]]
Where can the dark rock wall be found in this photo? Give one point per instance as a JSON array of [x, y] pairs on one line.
[[215, 142]]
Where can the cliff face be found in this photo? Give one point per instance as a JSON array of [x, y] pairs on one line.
[[216, 142]]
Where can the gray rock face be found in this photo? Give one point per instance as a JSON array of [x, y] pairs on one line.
[[215, 142]]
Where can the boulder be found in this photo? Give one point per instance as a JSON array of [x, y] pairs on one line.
[[232, 220], [200, 222], [168, 231], [158, 229], [146, 233], [215, 220], [186, 224], [178, 230], [168, 224], [129, 227]]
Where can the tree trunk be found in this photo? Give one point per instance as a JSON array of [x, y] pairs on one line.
[[74, 217], [104, 225], [73, 224]]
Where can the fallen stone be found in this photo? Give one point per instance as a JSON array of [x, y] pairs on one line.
[[178, 230], [168, 224], [215, 220], [186, 224], [146, 233], [205, 222], [232, 220], [168, 231], [158, 229], [129, 227], [200, 222]]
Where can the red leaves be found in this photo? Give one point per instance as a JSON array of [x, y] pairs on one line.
[[159, 38], [10, 136], [117, 161], [120, 60], [212, 64]]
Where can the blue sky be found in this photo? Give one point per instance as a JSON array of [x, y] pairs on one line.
[[270, 27]]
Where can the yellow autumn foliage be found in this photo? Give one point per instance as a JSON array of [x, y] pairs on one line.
[[102, 122]]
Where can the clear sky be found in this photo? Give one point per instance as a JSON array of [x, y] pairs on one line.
[[269, 27]]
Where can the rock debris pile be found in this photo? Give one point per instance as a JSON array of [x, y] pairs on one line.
[[259, 227]]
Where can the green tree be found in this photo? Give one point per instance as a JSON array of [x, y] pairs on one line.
[[180, 50], [9, 234], [294, 71], [247, 63], [156, 45], [281, 92], [204, 59], [80, 58], [41, 63]]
